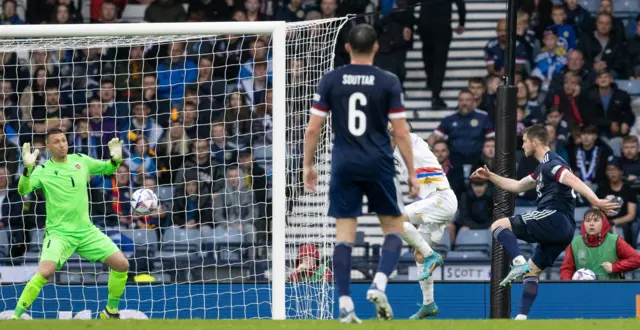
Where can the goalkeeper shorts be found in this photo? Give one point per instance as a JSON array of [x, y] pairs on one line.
[[92, 245]]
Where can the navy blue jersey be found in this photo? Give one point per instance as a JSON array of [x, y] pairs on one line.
[[362, 99], [494, 54], [553, 195], [465, 135]]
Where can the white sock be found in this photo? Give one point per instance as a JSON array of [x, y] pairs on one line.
[[346, 303], [427, 287], [413, 237], [519, 260], [380, 280], [520, 317]]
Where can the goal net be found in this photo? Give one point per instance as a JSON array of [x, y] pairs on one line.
[[212, 116]]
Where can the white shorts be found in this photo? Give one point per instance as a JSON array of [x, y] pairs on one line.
[[433, 213]]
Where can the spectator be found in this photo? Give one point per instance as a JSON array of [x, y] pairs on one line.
[[615, 186], [521, 114], [598, 250], [8, 105], [119, 111], [578, 17], [293, 12], [111, 206], [262, 124], [434, 28], [51, 113], [34, 93], [75, 16], [554, 144], [564, 31], [61, 15], [142, 124], [256, 178], [251, 81], [395, 38], [611, 55], [234, 209], [492, 83], [229, 53], [222, 150], [534, 85], [570, 101], [525, 35], [617, 26], [108, 13], [590, 158], [309, 267], [160, 107], [540, 13], [9, 15], [84, 143], [100, 127], [189, 120], [208, 84], [200, 160], [129, 74], [175, 73], [97, 8], [575, 65], [141, 162], [464, 131], [630, 159], [455, 175], [211, 11], [252, 7], [9, 153], [192, 203], [78, 91], [551, 59], [633, 52], [612, 109], [532, 110], [172, 151], [495, 50], [165, 11], [477, 87], [554, 118], [488, 155], [237, 118], [10, 204], [476, 206], [328, 8]]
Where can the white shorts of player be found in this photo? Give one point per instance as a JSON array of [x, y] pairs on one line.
[[432, 214]]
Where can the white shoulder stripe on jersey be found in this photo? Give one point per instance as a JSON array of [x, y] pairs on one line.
[[317, 112], [398, 115], [555, 169], [562, 176]]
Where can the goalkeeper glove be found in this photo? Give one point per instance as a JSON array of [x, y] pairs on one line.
[[29, 158], [115, 149]]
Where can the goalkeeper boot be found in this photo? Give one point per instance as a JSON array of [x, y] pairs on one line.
[[109, 315], [13, 317], [430, 264], [426, 311], [379, 299], [516, 272], [348, 317]]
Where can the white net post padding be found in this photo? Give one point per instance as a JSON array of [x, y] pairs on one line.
[[213, 118]]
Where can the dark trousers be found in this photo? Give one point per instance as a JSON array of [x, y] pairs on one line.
[[393, 62], [436, 40]]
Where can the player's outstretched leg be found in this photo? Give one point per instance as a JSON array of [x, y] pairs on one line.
[[432, 259], [33, 287], [428, 306], [502, 232], [389, 256], [116, 284]]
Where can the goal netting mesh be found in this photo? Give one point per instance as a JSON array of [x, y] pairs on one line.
[[195, 115]]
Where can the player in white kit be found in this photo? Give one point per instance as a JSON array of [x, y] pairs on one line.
[[435, 207]]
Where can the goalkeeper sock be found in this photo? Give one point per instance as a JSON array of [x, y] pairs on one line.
[[116, 284], [413, 237], [388, 259], [29, 294], [342, 267], [509, 241], [529, 294]]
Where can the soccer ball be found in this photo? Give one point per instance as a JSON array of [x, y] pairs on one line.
[[144, 201], [584, 274]]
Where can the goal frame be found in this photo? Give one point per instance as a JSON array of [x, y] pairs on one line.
[[277, 29]]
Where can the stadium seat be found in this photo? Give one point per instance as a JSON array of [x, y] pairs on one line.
[[620, 232], [4, 246], [360, 236], [626, 7], [473, 240], [590, 5], [472, 256], [36, 237], [180, 245], [579, 212], [630, 86], [526, 248], [444, 245]]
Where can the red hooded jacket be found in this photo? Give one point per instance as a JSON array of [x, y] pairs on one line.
[[309, 250], [628, 258]]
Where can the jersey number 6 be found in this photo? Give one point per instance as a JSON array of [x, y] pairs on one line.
[[357, 118]]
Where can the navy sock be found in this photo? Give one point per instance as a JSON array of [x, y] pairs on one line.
[[342, 267], [390, 253], [508, 240], [529, 294]]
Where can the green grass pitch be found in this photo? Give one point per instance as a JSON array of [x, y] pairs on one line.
[[616, 324]]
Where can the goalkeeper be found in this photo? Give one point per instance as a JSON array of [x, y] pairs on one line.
[[63, 179]]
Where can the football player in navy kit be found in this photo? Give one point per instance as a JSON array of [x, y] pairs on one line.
[[552, 225], [362, 99]]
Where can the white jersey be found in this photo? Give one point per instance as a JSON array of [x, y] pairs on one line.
[[429, 172]]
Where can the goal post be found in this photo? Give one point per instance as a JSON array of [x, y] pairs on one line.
[[298, 55]]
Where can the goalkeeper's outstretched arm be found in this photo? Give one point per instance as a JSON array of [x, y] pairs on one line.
[[99, 167], [29, 179]]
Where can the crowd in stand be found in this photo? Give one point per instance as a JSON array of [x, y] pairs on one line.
[[195, 115], [567, 62]]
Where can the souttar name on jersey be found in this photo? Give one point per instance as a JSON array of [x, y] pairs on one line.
[[349, 79]]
